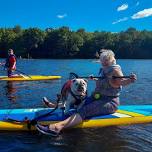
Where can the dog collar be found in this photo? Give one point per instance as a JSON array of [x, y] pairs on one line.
[[78, 98]]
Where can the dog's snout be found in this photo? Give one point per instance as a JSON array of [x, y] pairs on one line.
[[81, 87]]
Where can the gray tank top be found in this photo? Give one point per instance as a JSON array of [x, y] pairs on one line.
[[103, 86]]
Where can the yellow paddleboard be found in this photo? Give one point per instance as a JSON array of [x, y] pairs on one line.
[[14, 119], [29, 78]]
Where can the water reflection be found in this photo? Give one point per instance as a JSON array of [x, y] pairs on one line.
[[11, 90], [27, 94]]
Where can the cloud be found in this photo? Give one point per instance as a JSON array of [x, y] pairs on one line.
[[122, 7], [120, 20], [137, 3], [62, 16], [142, 14]]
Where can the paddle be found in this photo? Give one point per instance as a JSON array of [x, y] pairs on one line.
[[17, 71], [74, 75], [23, 73]]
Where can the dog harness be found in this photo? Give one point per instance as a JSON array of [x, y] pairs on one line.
[[67, 89], [78, 98]]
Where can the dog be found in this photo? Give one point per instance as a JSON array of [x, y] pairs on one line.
[[73, 94]]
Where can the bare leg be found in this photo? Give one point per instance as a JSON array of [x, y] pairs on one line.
[[73, 120], [54, 129]]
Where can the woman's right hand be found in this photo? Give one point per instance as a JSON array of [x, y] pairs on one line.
[[133, 78]]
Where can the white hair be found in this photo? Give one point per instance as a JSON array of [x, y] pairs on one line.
[[107, 55]]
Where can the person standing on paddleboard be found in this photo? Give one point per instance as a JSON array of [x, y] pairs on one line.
[[104, 99], [10, 63]]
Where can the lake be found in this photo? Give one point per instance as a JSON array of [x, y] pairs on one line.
[[133, 138]]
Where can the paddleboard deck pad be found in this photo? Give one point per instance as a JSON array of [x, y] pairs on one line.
[[29, 78], [15, 119]]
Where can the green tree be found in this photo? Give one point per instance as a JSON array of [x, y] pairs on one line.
[[75, 42], [7, 37], [31, 39], [56, 42]]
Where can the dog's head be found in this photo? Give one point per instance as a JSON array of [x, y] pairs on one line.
[[79, 86]]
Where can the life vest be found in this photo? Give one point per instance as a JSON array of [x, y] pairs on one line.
[[103, 86], [9, 63], [103, 72], [66, 89]]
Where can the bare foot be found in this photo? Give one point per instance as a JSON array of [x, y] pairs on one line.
[[47, 103]]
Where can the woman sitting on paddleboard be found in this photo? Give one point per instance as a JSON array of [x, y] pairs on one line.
[[105, 98]]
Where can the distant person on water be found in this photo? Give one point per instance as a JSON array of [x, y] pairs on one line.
[[10, 63], [104, 99]]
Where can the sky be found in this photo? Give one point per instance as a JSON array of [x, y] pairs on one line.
[[91, 15]]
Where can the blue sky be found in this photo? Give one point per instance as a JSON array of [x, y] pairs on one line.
[[92, 15]]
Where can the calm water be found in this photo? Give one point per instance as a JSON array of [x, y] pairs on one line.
[[133, 138]]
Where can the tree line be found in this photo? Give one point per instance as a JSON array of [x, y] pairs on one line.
[[65, 43]]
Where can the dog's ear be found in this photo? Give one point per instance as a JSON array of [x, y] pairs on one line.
[[85, 80]]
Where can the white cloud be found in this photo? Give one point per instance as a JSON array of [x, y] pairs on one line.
[[122, 7], [61, 16], [142, 14], [120, 20], [137, 3]]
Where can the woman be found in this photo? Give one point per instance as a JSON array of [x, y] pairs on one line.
[[105, 97]]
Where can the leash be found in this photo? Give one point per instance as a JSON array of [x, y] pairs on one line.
[[34, 121]]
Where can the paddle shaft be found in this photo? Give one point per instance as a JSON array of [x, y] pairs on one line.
[[23, 73], [114, 77]]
